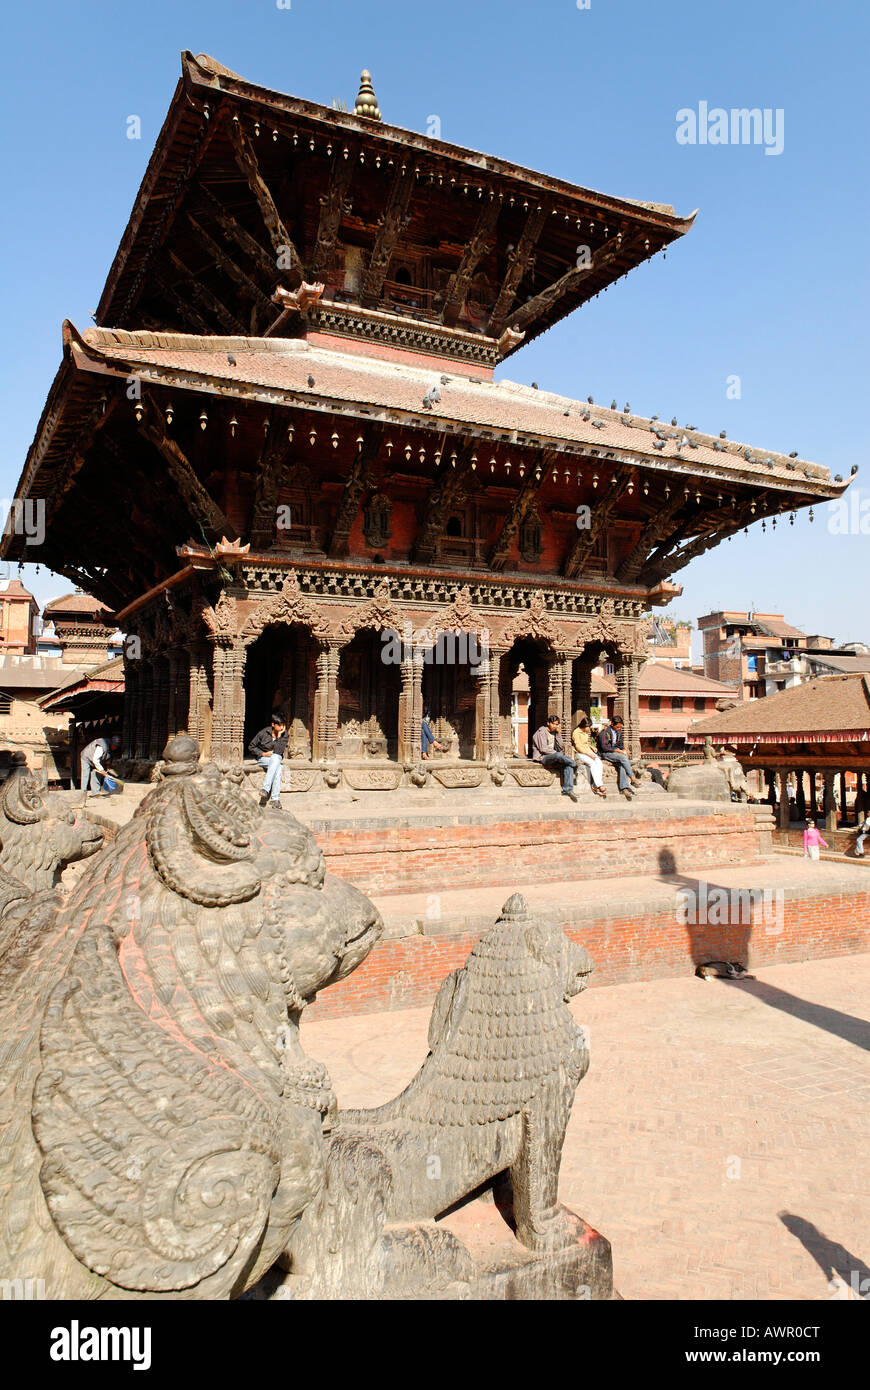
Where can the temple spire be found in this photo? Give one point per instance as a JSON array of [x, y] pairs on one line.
[[366, 103]]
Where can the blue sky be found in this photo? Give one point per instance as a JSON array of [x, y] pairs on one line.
[[770, 285]]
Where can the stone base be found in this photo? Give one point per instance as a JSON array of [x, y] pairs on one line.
[[508, 1270]]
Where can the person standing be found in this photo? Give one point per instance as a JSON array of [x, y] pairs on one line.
[[269, 747], [547, 749], [585, 752], [94, 757], [813, 842], [611, 746], [863, 832]]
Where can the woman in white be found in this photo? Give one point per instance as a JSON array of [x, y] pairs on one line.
[[585, 752]]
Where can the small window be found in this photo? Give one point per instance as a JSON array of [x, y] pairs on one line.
[[454, 526], [700, 704], [677, 703], [5, 704], [655, 703]]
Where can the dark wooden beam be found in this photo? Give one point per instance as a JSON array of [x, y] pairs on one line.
[[102, 586], [189, 318], [271, 474], [602, 512], [331, 212], [278, 234], [448, 490], [357, 484], [201, 505], [677, 559], [205, 299], [533, 308], [457, 289], [388, 234], [225, 262], [209, 204], [518, 264], [520, 507], [652, 533], [94, 422]]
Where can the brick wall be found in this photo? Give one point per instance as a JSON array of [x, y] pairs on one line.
[[414, 859], [406, 973]]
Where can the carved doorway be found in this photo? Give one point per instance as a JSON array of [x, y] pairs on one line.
[[452, 694], [535, 656], [368, 698], [280, 673]]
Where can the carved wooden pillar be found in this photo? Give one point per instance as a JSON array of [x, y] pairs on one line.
[[325, 730], [581, 682], [490, 669], [159, 699], [221, 702], [560, 675], [177, 691], [830, 805], [784, 807], [195, 687], [144, 714], [627, 702], [234, 676], [801, 795], [131, 705], [411, 709]]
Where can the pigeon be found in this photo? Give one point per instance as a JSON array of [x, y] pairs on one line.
[[653, 417], [613, 405], [838, 477], [674, 420], [566, 412], [231, 359], [534, 386], [591, 400], [310, 379], [691, 427], [854, 470], [444, 380], [720, 448], [660, 444], [723, 434], [793, 454], [626, 410]]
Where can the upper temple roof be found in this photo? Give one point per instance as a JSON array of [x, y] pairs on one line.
[[249, 192]]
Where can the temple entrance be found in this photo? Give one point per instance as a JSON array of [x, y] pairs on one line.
[[280, 674], [368, 699], [585, 700], [452, 695], [531, 657]]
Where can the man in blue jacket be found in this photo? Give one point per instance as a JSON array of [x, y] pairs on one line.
[[611, 746]]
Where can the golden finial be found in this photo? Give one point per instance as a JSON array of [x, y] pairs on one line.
[[366, 103]]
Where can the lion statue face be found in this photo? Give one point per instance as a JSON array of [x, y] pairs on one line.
[[166, 1132], [39, 836]]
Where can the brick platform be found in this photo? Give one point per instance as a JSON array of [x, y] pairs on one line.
[[779, 909], [418, 851]]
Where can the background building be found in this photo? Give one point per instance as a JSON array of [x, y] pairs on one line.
[[757, 654]]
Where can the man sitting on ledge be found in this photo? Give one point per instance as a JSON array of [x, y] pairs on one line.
[[612, 749], [548, 751]]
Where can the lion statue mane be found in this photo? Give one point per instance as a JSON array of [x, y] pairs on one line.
[[162, 1129]]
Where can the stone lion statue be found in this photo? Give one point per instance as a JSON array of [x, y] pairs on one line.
[[163, 1128], [496, 1090], [39, 836]]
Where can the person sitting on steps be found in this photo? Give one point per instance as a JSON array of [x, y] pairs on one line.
[[428, 739], [584, 752], [547, 750], [269, 747], [611, 746]]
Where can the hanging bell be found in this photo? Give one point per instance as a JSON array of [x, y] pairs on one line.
[[169, 414], [234, 424], [335, 440], [203, 421], [312, 436]]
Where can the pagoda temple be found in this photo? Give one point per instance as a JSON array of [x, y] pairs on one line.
[[282, 460]]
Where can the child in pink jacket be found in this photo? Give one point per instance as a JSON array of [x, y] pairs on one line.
[[813, 841]]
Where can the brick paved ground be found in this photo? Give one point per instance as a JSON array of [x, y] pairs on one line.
[[720, 1139]]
